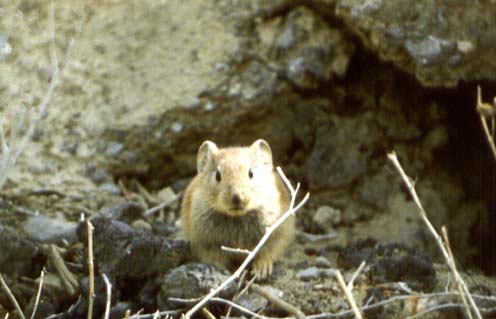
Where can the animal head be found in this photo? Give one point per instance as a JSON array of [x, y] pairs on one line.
[[239, 178]]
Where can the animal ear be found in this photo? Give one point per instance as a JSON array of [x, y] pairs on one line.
[[205, 153], [263, 150]]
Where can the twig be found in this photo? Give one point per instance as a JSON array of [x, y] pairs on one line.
[[224, 301], [235, 250], [348, 295], [108, 286], [278, 302], [68, 279], [207, 313], [444, 232], [161, 313], [11, 296], [355, 275], [292, 209], [394, 159], [91, 295], [160, 206], [38, 294], [480, 109]]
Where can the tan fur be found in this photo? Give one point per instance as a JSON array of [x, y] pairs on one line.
[[210, 218]]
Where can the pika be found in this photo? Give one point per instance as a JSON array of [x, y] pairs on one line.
[[235, 195]]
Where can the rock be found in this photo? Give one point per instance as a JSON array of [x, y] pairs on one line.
[[113, 149], [191, 281], [308, 274], [342, 151], [424, 38], [111, 188], [327, 217], [122, 252], [5, 47], [49, 230], [322, 262], [391, 263], [252, 301], [310, 50], [141, 224], [124, 211], [96, 174], [18, 255]]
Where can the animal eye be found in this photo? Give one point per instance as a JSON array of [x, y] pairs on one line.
[[217, 176], [250, 173]]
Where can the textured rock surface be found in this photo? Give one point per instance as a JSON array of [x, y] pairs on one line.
[[440, 42]]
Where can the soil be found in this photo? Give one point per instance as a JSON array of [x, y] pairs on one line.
[[332, 85]]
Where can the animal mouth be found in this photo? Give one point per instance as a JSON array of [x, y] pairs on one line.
[[236, 211]]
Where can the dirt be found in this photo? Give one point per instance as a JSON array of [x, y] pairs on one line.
[[325, 82]]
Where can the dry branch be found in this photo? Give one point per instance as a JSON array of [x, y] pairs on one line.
[[348, 294], [11, 296], [486, 110], [451, 263], [108, 286], [91, 269], [291, 211], [278, 302], [38, 294]]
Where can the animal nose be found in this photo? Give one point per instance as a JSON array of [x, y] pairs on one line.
[[236, 200]]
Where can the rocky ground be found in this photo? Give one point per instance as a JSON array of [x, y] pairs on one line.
[[332, 85]]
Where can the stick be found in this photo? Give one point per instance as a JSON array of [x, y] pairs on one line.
[[452, 259], [235, 250], [355, 275], [68, 279], [348, 295], [292, 209], [278, 302], [484, 123], [207, 313], [11, 296], [108, 285], [38, 294], [91, 269], [394, 159]]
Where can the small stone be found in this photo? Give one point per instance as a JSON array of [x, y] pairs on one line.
[[308, 274], [5, 47], [429, 51], [322, 262], [464, 46], [111, 188], [113, 149], [166, 195], [253, 302], [192, 102], [327, 217], [210, 106], [176, 127], [47, 230], [141, 224], [96, 174]]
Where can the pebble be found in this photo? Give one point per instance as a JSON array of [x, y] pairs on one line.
[[327, 216], [47, 230], [312, 273], [322, 262], [111, 188]]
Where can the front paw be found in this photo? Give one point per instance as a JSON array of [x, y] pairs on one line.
[[262, 267]]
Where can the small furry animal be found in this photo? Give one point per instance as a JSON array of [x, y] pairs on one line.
[[230, 202]]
